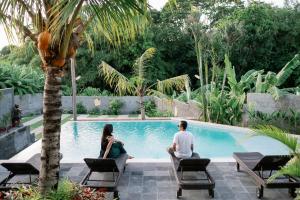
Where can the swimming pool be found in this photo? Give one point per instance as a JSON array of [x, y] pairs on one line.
[[149, 140]]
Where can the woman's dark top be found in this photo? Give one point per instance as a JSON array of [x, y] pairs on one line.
[[115, 151]]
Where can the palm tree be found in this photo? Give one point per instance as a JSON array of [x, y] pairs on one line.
[[57, 28], [292, 168], [138, 84]]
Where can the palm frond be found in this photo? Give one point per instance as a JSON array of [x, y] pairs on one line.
[[115, 79], [116, 20], [159, 94], [178, 82], [19, 16], [292, 168], [287, 70], [140, 63], [277, 134]]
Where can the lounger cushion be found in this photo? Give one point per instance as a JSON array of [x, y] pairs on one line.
[[257, 162], [105, 173], [250, 159], [176, 160]]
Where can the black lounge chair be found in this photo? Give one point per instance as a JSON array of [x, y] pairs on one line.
[[191, 174], [261, 167], [104, 173], [20, 173]]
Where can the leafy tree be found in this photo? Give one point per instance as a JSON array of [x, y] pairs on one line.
[[56, 28], [259, 36], [139, 84]]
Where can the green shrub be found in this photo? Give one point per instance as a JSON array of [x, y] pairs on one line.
[[66, 90], [24, 79], [90, 91], [151, 110], [94, 111], [67, 111], [81, 108], [66, 190], [106, 93], [115, 106]]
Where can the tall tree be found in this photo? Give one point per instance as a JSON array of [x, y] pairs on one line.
[[57, 28], [139, 84]]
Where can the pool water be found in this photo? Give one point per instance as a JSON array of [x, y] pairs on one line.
[[149, 140]]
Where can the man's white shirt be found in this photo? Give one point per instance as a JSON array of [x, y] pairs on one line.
[[183, 140]]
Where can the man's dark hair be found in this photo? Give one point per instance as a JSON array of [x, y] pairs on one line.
[[183, 124]]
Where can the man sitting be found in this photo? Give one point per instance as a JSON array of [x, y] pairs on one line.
[[182, 143]]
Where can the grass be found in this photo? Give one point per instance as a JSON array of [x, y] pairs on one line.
[[39, 135], [133, 115], [36, 125], [93, 116], [27, 118]]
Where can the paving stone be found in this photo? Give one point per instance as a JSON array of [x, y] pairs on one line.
[[156, 181]]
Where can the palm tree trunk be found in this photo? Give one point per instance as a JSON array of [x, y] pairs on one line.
[[50, 157], [143, 117]]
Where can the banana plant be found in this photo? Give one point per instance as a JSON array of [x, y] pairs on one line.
[[271, 82], [23, 79], [139, 84], [238, 88]]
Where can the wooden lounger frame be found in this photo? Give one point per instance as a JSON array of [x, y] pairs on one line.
[[263, 164], [194, 164]]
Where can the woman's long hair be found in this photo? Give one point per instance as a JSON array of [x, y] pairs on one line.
[[107, 130]]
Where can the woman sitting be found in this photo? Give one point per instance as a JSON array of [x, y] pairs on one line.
[[111, 147]]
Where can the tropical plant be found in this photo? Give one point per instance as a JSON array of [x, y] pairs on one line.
[[271, 82], [94, 111], [114, 107], [152, 111], [199, 35], [66, 190], [292, 168], [139, 84], [81, 109], [287, 120], [57, 29], [90, 91], [23, 79]]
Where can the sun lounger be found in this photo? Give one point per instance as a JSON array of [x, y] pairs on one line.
[[104, 173], [20, 173], [191, 174], [260, 168]]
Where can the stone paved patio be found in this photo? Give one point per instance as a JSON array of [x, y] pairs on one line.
[[156, 181]]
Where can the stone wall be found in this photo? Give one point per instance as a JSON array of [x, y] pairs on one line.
[[178, 108], [6, 106], [265, 103], [15, 141], [30, 103], [130, 103], [34, 103]]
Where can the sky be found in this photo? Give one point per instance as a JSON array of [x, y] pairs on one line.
[[158, 4]]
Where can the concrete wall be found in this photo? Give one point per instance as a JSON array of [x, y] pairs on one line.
[[266, 104], [178, 108], [15, 141], [30, 103], [34, 103], [130, 103], [6, 106]]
